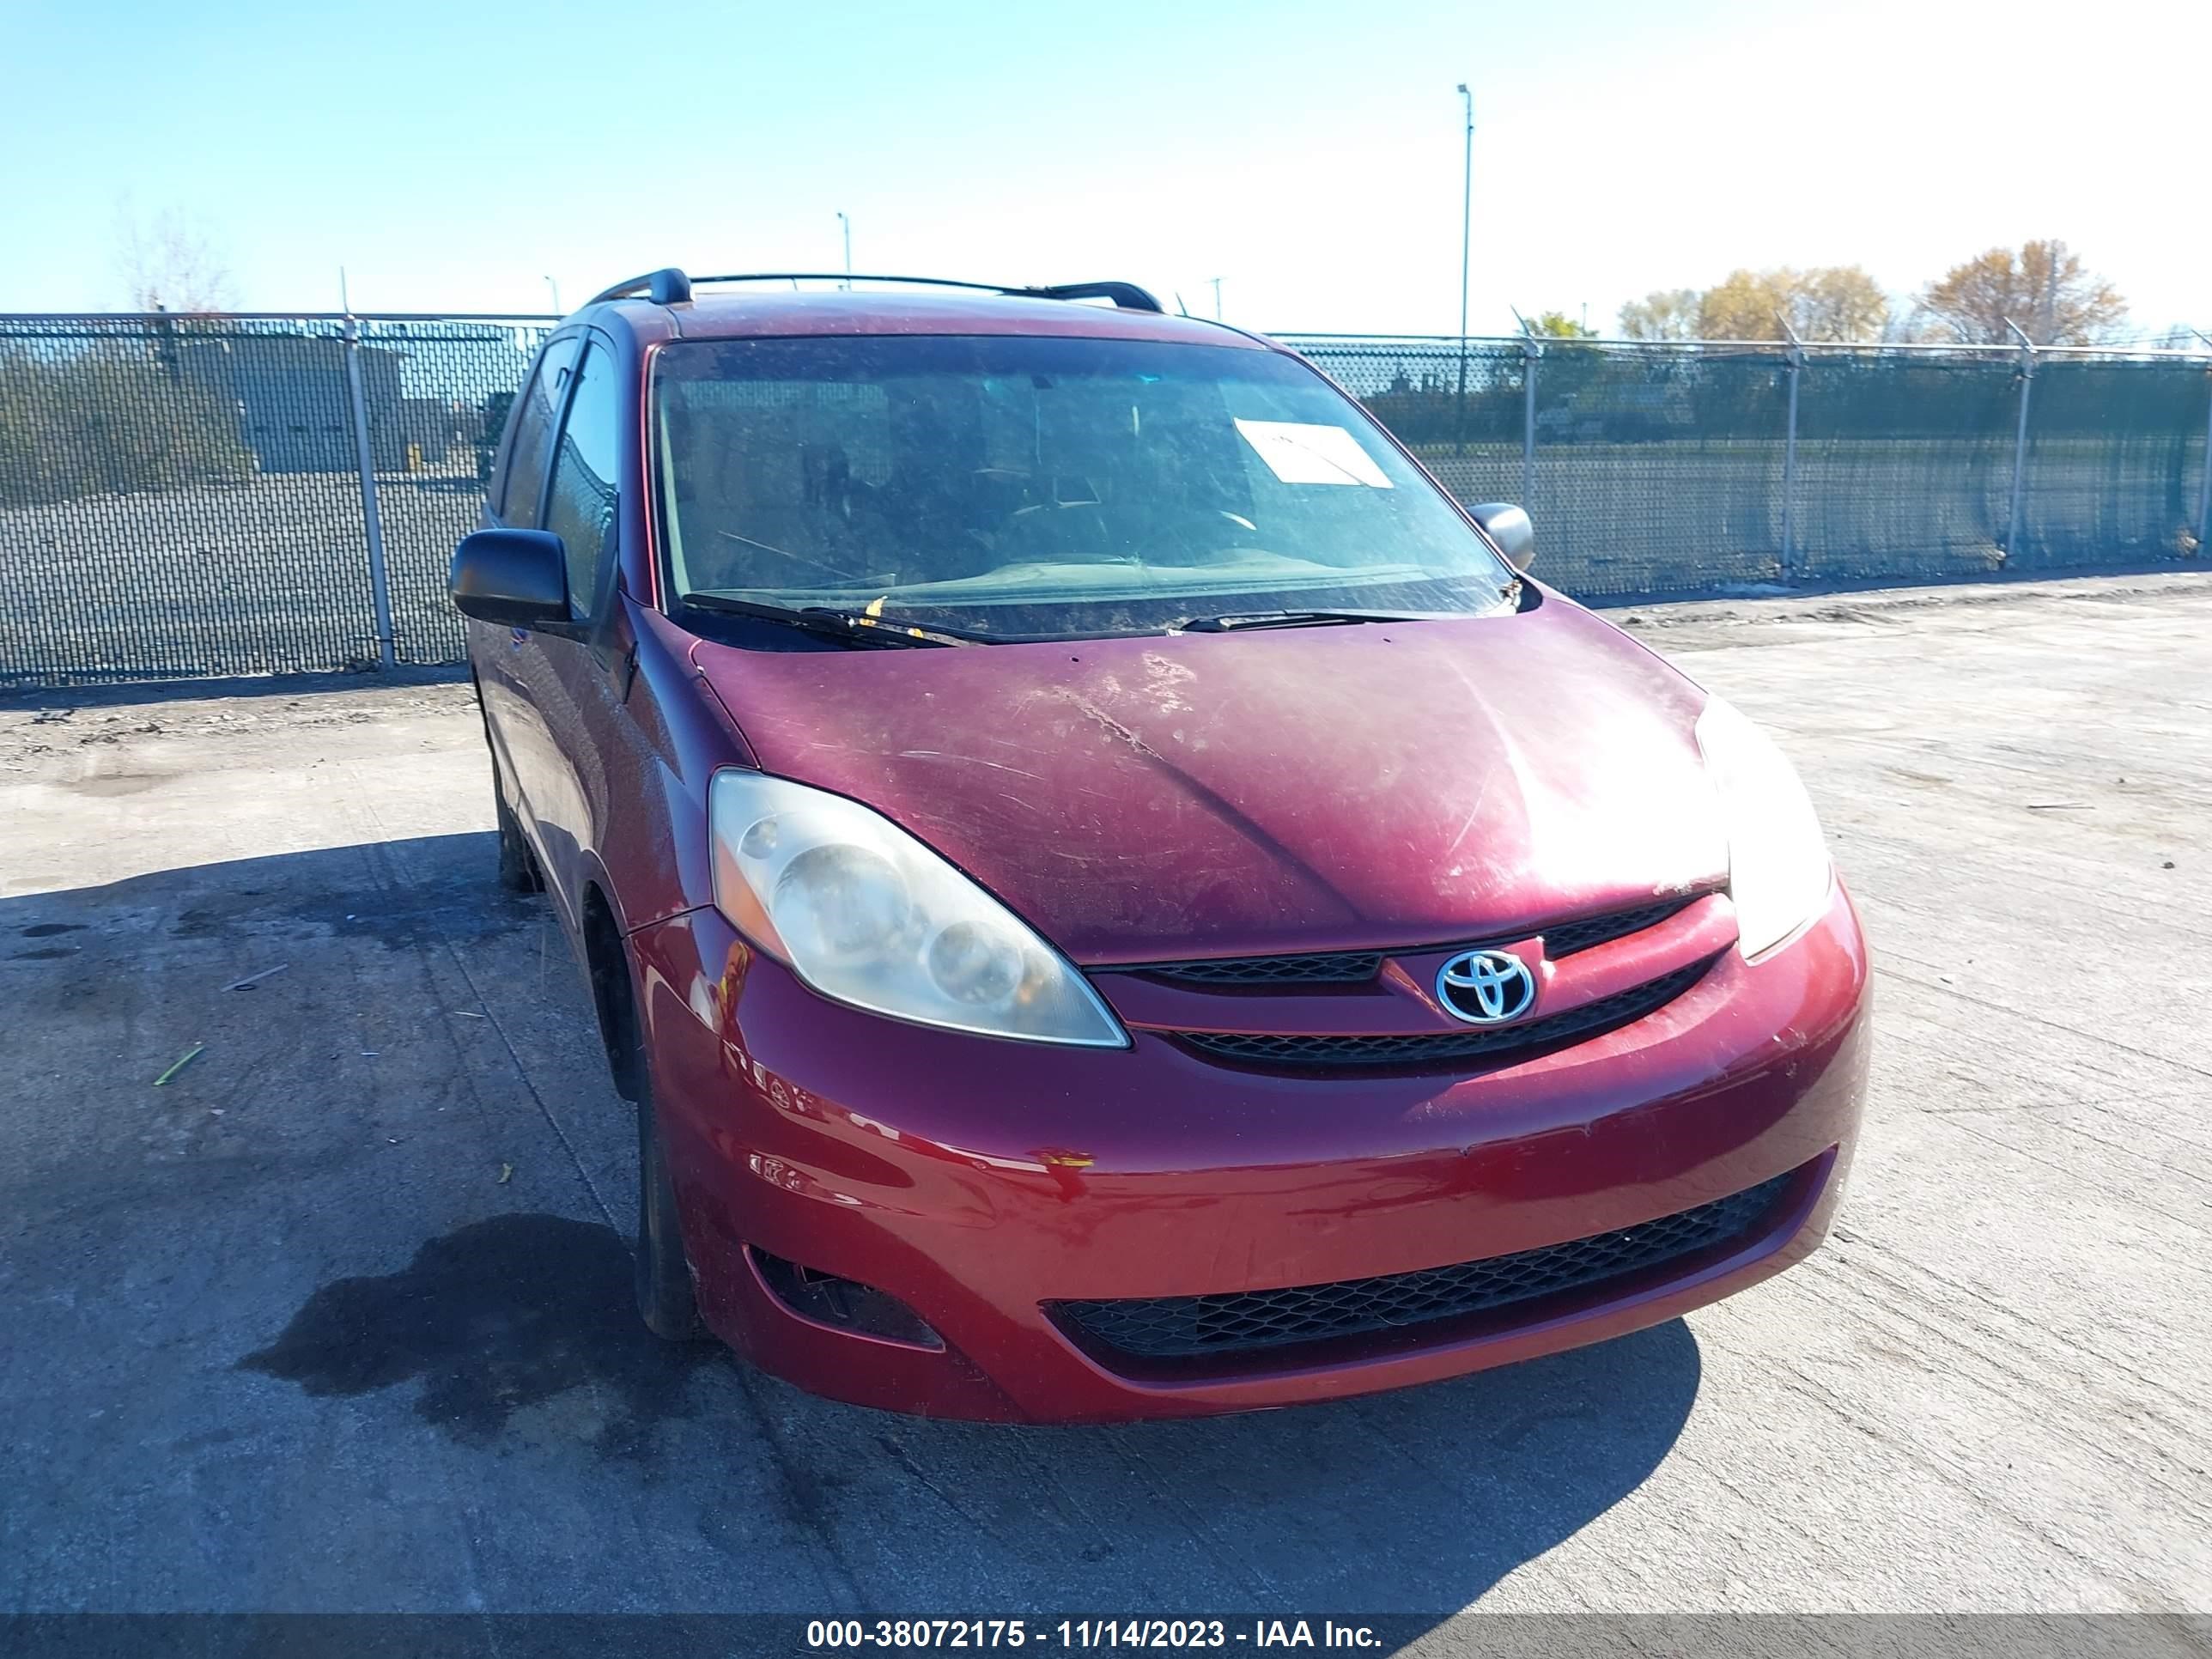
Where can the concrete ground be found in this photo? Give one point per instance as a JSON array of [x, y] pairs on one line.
[[337, 1318]]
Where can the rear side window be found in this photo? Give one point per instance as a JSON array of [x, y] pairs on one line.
[[534, 436], [581, 508]]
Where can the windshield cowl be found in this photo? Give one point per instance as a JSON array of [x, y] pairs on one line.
[[859, 628]]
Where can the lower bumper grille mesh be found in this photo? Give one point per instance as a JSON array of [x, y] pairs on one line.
[[1187, 1327]]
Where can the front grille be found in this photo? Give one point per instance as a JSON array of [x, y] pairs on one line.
[[1323, 967], [1189, 1327], [1570, 937], [1358, 967], [1447, 1048]]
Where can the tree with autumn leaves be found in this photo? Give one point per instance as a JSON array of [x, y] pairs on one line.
[[1828, 302], [2043, 287]]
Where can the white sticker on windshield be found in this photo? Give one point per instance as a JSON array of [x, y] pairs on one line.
[[1298, 453]]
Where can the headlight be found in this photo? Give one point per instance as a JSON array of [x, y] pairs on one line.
[[1778, 868], [867, 915]]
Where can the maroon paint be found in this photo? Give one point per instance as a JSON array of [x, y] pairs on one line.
[[975, 1191], [1154, 798], [1221, 794]]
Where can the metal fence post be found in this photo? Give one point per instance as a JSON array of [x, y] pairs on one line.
[[1459, 404], [2204, 483], [2020, 444], [379, 581], [1530, 353], [1788, 562]]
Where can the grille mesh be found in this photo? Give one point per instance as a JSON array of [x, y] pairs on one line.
[[1570, 937], [1441, 1047], [1358, 967], [1325, 968], [1187, 1327]]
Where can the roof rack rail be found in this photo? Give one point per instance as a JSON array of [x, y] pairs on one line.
[[672, 287], [1127, 296], [665, 287]]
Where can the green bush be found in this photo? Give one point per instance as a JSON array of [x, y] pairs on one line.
[[104, 418]]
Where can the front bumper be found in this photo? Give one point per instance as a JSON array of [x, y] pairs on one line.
[[982, 1181]]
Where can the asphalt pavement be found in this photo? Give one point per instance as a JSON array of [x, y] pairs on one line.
[[337, 1318]]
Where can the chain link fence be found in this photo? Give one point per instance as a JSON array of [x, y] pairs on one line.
[[195, 496], [204, 496], [1663, 468]]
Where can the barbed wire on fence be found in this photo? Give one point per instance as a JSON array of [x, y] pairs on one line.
[[250, 493]]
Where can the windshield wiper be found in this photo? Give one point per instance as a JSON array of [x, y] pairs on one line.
[[1237, 621], [853, 626]]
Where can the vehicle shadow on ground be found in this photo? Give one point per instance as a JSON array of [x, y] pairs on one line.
[[449, 1312], [1417, 1499]]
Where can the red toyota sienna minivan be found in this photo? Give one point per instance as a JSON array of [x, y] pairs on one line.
[[1113, 896]]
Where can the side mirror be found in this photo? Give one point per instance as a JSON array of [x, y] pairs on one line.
[[518, 578], [1508, 526]]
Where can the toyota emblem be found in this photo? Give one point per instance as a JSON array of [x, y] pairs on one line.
[[1485, 988]]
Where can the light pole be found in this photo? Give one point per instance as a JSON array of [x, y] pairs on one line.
[[1466, 205], [1466, 238], [556, 289], [846, 226], [1216, 281]]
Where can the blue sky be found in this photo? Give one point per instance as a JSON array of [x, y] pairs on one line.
[[1309, 154]]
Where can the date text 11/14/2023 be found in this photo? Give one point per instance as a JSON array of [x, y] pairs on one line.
[[826, 1635]]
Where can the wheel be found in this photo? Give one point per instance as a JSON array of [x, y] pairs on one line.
[[518, 867], [667, 1300]]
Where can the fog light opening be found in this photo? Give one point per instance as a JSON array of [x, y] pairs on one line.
[[843, 1305]]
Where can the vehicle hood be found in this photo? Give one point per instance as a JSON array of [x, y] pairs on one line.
[[1160, 797]]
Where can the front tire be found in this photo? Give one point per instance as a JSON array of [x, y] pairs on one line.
[[518, 865], [666, 1299]]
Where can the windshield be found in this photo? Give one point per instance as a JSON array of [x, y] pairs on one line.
[[1021, 486]]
